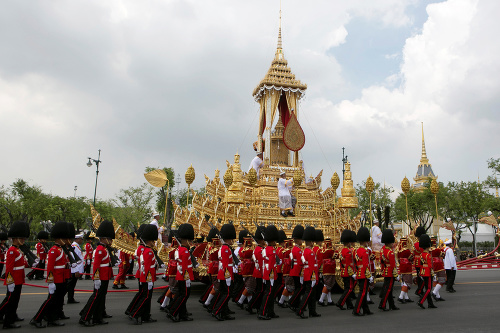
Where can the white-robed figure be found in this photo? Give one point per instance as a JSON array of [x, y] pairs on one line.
[[450, 265], [376, 237], [156, 218], [285, 197], [257, 163]]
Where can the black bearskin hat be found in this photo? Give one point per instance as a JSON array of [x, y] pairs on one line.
[[140, 230], [19, 229], [3, 236], [309, 234], [260, 233], [212, 234], [242, 235], [424, 241], [87, 236], [185, 231], [59, 230], [298, 232], [227, 231], [42, 235], [281, 236], [71, 230], [272, 234], [106, 230], [345, 237], [319, 235], [149, 232], [363, 235], [388, 236], [419, 231]]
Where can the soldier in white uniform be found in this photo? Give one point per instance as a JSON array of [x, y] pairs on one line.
[[285, 198], [257, 163], [156, 219], [450, 265], [77, 270], [376, 237]]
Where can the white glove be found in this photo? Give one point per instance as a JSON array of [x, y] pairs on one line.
[[130, 261], [37, 261], [88, 261], [97, 284], [52, 288], [370, 279], [434, 278], [73, 265], [228, 282], [163, 266], [150, 285], [34, 265], [10, 287], [188, 283], [397, 278], [272, 282], [353, 276], [313, 283], [301, 280]]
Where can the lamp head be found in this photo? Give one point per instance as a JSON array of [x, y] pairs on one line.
[[89, 163]]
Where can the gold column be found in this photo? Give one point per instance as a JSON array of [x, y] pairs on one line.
[[405, 186], [370, 186]]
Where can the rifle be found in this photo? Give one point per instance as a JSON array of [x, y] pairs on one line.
[[278, 260], [236, 260], [30, 256], [194, 263]]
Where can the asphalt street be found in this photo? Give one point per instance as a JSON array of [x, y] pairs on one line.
[[473, 308]]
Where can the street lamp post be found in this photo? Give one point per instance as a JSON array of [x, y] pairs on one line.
[[97, 162], [76, 187]]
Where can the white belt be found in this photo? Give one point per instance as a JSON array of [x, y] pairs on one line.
[[104, 265], [62, 266], [153, 266], [18, 268]]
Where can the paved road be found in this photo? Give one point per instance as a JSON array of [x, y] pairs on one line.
[[473, 308]]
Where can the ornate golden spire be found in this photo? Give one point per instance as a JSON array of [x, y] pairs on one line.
[[423, 159], [279, 33]]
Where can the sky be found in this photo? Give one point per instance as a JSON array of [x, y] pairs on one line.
[[169, 84]]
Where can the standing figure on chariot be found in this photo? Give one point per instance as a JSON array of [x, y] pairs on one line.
[[438, 268], [41, 253], [347, 272], [296, 267], [450, 265], [405, 258], [257, 163], [376, 238], [389, 270], [89, 251], [417, 251], [426, 272], [363, 275], [286, 201], [270, 274], [329, 268], [258, 260]]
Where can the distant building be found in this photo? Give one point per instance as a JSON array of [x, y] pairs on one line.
[[424, 171]]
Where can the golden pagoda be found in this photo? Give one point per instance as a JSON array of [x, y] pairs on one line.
[[424, 171]]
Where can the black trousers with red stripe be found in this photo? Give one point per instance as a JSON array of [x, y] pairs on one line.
[[257, 296], [178, 304], [420, 282], [349, 284], [308, 299], [221, 299], [361, 300], [8, 308], [427, 285], [96, 305], [142, 305], [386, 295], [134, 300], [299, 290], [267, 304], [52, 307]]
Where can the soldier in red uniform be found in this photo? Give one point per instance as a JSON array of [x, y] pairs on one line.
[[426, 272], [318, 252], [41, 252], [119, 282], [311, 273], [141, 311], [363, 275], [57, 274], [405, 258], [417, 250], [177, 310], [288, 283], [280, 252], [389, 271], [296, 267], [239, 284], [213, 264], [138, 253], [329, 268], [89, 251], [269, 274], [225, 274], [347, 272], [247, 266], [438, 268], [14, 274], [3, 251], [92, 313], [258, 260]]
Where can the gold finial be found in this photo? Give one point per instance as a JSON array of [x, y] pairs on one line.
[[228, 177], [434, 187], [252, 176], [335, 181], [190, 175], [370, 185], [423, 159], [297, 178], [279, 32], [405, 185]]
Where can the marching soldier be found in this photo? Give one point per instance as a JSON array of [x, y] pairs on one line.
[[239, 284], [76, 271], [417, 251], [41, 253], [296, 269], [426, 272], [14, 274], [288, 283], [270, 274], [247, 267], [89, 250], [437, 254], [57, 274], [3, 251], [138, 254], [177, 310], [363, 275], [329, 268], [119, 282], [405, 258], [389, 271], [280, 252], [258, 260], [141, 311], [213, 264], [225, 275], [347, 238], [92, 313], [318, 252]]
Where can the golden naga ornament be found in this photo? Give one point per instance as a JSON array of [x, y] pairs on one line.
[[434, 187], [190, 175], [335, 181], [405, 185], [228, 177], [370, 185], [252, 177]]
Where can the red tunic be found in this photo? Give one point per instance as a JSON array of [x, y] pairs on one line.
[[417, 251], [295, 257], [213, 260], [346, 262], [279, 252], [148, 265], [247, 264], [437, 259], [362, 263], [287, 262], [89, 251], [405, 265], [318, 252], [225, 270], [426, 263], [259, 262], [138, 254], [101, 265], [388, 262], [270, 269], [40, 251], [14, 266], [310, 265], [172, 263], [184, 265], [57, 265], [329, 264]]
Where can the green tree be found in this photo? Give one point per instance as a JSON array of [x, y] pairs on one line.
[[133, 205], [161, 193], [381, 198]]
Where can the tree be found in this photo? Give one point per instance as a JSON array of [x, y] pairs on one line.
[[161, 194], [381, 198], [494, 165], [133, 205]]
